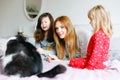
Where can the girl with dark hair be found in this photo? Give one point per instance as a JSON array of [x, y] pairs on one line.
[[44, 35]]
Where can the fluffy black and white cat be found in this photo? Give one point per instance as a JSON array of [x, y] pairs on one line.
[[22, 59]]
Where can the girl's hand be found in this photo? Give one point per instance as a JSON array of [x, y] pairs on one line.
[[40, 50], [52, 58]]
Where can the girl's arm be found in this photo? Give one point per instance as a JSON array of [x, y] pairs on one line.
[[97, 53], [44, 53]]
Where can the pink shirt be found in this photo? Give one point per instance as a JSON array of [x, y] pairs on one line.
[[97, 53]]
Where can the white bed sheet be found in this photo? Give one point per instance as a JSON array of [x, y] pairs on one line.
[[112, 73]]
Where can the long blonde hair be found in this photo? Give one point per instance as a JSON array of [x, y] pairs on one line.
[[70, 38], [100, 19]]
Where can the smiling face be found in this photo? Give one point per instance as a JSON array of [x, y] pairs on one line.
[[60, 30], [45, 23]]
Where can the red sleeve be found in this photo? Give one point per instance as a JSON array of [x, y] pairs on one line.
[[97, 45]]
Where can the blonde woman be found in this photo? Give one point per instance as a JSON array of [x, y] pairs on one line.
[[97, 51]]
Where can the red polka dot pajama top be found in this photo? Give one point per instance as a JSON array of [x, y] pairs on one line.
[[97, 53]]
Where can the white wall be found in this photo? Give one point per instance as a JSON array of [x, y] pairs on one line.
[[77, 9], [12, 16], [12, 13]]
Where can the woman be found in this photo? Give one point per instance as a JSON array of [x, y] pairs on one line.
[[67, 39]]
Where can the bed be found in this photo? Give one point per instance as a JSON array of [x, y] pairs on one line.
[[111, 73]]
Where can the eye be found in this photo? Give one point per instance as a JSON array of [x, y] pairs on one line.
[[42, 22], [45, 21], [62, 27]]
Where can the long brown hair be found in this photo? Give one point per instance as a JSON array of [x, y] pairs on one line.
[[100, 19], [39, 34], [70, 38]]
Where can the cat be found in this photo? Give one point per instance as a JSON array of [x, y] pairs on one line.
[[22, 59]]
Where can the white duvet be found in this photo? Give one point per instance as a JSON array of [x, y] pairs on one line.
[[112, 73]]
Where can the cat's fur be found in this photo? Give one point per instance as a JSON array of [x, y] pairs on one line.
[[22, 59]]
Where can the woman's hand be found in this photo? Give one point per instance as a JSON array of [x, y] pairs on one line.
[[52, 58]]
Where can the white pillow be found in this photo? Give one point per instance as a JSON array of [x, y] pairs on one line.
[[115, 43], [31, 40], [83, 35], [114, 52], [3, 42]]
